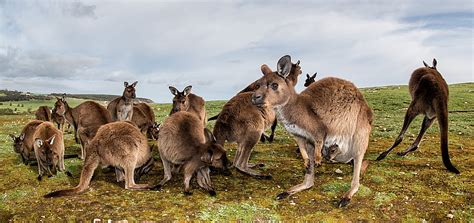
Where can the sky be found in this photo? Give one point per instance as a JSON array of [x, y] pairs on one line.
[[218, 46]]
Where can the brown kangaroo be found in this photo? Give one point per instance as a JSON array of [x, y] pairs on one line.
[[429, 93], [86, 118], [309, 79], [23, 144], [49, 149], [144, 117], [118, 144], [187, 101], [43, 113], [121, 108], [183, 141], [294, 73], [329, 112], [60, 121]]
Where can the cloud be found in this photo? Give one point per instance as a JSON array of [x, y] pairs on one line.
[[218, 47]]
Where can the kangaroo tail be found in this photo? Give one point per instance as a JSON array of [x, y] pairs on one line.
[[442, 113], [90, 164]]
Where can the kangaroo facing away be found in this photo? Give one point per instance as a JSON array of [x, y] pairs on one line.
[[49, 149], [329, 112], [144, 117], [43, 113], [309, 79], [183, 141], [86, 118], [23, 144], [60, 121], [118, 144], [121, 108], [429, 93], [187, 101]]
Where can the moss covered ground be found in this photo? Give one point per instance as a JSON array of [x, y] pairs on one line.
[[413, 188]]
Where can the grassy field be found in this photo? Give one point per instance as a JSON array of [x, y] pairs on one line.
[[410, 188]]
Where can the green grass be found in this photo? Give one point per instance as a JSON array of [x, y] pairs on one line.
[[407, 189]]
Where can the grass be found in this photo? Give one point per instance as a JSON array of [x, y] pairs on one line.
[[409, 189]]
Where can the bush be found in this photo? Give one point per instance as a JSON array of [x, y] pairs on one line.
[[6, 111]]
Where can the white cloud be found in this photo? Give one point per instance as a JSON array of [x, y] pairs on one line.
[[218, 47]]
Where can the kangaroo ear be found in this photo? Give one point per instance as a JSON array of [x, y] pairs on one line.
[[51, 140], [63, 98], [426, 65], [298, 62], [434, 63], [209, 136], [307, 76], [284, 66], [125, 84], [314, 75], [173, 90], [12, 136], [39, 142], [265, 69], [134, 84], [22, 136], [187, 90], [207, 157]]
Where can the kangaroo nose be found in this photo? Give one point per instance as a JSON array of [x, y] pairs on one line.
[[257, 99]]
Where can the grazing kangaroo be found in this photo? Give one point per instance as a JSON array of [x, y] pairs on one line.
[[118, 144], [121, 108], [86, 118], [43, 113], [144, 117], [23, 144], [429, 93], [183, 141], [187, 101], [309, 79], [49, 149], [329, 112]]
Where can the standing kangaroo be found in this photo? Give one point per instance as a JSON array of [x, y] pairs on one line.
[[43, 113], [329, 112], [118, 144], [183, 141], [23, 144], [49, 149], [121, 108], [429, 93], [86, 118], [187, 101], [60, 121]]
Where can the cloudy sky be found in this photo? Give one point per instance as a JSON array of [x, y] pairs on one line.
[[218, 46]]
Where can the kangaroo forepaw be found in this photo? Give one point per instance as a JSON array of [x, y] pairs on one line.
[[344, 202], [212, 193], [282, 195], [39, 177]]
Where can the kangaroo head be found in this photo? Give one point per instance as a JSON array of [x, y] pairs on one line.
[[331, 152], [275, 88], [309, 79], [434, 64], [45, 152], [17, 142], [60, 106], [129, 91], [154, 130], [214, 154], [180, 99]]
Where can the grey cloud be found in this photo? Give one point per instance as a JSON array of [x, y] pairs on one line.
[[79, 9]]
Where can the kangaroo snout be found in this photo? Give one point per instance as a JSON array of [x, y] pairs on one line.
[[257, 99]]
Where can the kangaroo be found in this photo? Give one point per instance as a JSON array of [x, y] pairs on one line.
[[309, 79], [144, 117], [43, 113], [121, 108], [60, 121], [294, 73], [330, 111], [429, 93], [23, 144], [187, 101], [86, 118], [49, 149], [147, 110], [183, 141], [119, 144], [154, 131]]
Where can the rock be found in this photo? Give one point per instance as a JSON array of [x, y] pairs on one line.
[[450, 216], [338, 171]]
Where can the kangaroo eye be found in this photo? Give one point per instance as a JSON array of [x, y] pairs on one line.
[[274, 86], [257, 86]]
